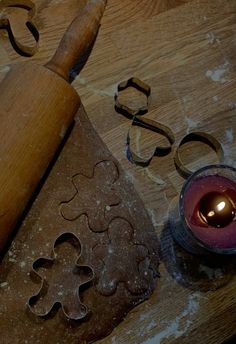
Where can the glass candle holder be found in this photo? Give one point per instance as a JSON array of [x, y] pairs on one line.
[[207, 210]]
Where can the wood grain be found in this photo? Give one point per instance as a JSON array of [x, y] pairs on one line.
[[185, 50]]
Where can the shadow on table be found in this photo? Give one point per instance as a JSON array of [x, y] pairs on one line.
[[198, 273]]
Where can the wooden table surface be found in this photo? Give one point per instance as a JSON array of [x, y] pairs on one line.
[[185, 51]]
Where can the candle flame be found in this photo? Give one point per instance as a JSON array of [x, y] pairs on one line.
[[221, 206]]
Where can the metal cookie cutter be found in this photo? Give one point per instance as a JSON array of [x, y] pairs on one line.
[[159, 151], [206, 138], [139, 120], [124, 109], [61, 280], [5, 24]]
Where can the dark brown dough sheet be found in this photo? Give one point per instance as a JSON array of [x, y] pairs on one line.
[[111, 266]]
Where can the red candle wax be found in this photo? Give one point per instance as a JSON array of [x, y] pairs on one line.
[[202, 199]]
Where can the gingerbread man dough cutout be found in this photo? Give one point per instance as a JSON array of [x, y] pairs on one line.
[[94, 196], [121, 260]]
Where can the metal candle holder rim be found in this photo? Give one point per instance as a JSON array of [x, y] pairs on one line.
[[181, 209]]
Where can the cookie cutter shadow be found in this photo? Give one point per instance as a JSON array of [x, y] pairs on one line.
[[195, 272]]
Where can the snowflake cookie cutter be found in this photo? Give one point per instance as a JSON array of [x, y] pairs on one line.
[[64, 291]]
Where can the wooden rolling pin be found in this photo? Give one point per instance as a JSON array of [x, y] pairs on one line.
[[37, 106]]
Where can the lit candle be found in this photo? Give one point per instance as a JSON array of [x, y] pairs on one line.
[[208, 208], [217, 209]]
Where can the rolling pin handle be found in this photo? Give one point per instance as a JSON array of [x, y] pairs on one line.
[[77, 39]]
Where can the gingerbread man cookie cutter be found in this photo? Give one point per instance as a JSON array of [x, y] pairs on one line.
[[66, 281], [5, 24]]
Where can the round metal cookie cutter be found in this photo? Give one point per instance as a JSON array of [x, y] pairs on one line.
[[198, 136]]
